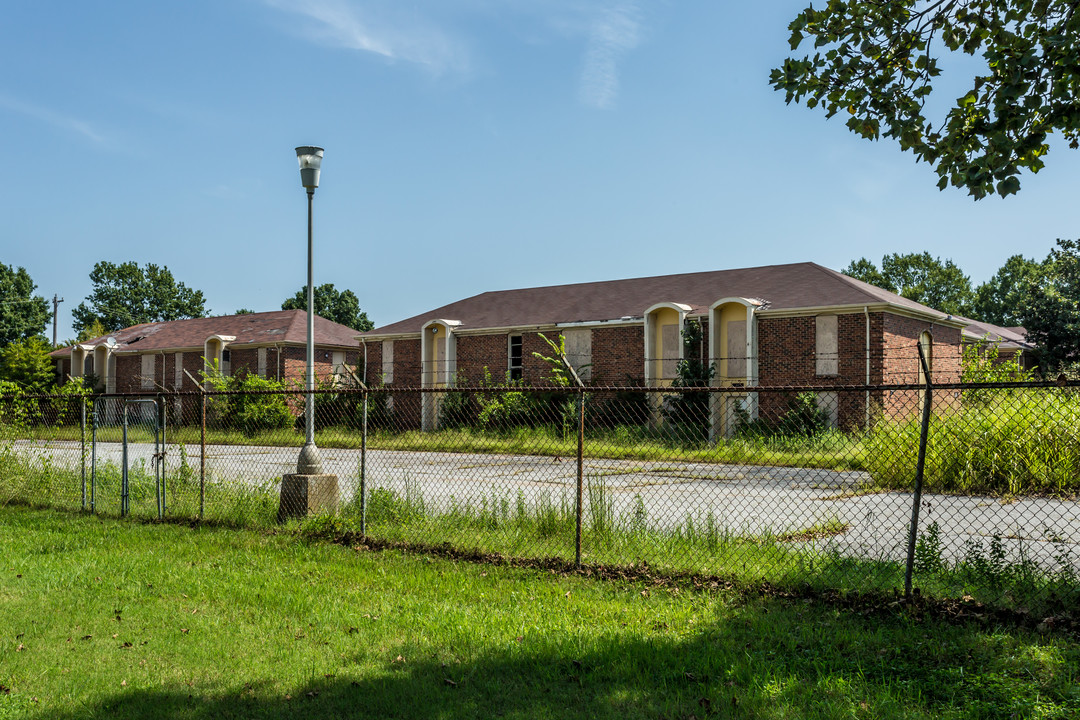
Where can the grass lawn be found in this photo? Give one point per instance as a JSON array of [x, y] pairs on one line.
[[100, 618]]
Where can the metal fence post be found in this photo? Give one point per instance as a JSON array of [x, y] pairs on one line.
[[82, 446], [580, 472], [363, 466], [124, 467], [202, 460], [93, 455], [913, 531], [164, 429]]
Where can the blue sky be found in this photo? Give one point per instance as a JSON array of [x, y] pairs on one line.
[[471, 145]]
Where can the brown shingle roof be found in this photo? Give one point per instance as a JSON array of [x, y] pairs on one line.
[[1005, 337], [285, 327], [782, 287]]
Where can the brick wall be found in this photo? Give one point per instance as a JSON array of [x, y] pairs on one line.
[[787, 351], [244, 362], [406, 408], [374, 372], [129, 373], [901, 363], [618, 355], [474, 353], [901, 355]]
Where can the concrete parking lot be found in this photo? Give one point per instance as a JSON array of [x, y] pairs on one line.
[[745, 500]]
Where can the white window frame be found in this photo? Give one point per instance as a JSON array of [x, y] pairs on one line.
[[511, 367]]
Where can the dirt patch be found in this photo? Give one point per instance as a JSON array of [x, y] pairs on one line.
[[962, 610]]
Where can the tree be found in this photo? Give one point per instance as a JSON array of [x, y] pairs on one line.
[[94, 330], [919, 277], [244, 311], [1051, 310], [341, 307], [866, 270], [1000, 300], [26, 362], [22, 314], [876, 62], [126, 294]]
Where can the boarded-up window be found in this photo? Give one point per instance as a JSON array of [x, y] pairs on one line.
[[826, 345], [178, 371], [147, 374], [339, 366], [669, 337], [388, 361], [440, 360], [262, 362], [579, 351], [736, 349]]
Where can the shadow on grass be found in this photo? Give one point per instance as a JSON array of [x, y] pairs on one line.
[[770, 659]]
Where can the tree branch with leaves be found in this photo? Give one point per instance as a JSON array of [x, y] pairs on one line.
[[877, 62]]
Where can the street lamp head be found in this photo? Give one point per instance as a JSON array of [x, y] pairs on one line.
[[310, 161]]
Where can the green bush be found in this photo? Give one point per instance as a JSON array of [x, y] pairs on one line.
[[255, 412], [345, 408], [802, 418], [489, 406], [248, 406], [688, 412]]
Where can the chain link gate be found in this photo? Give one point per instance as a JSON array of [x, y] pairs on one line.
[[124, 471]]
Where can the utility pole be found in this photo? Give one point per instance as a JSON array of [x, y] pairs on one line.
[[55, 303]]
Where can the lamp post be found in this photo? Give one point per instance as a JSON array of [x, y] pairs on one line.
[[310, 159]]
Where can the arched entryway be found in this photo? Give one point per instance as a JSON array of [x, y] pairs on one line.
[[733, 354]]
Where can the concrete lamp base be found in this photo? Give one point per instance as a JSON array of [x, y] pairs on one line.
[[304, 495]]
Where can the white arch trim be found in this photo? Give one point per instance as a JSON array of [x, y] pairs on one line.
[[78, 359], [716, 351], [210, 355], [651, 361], [436, 373], [430, 376]]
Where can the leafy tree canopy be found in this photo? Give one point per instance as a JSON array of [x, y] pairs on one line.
[[26, 362], [244, 311], [1051, 313], [94, 330], [919, 277], [876, 62], [127, 294], [1001, 299], [22, 314], [341, 307]]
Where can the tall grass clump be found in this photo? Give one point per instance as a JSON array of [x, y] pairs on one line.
[[999, 442]]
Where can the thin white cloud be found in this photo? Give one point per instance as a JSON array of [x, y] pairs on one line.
[[612, 34], [384, 30], [51, 117]]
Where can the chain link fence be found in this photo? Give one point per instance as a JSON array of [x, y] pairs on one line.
[[956, 489]]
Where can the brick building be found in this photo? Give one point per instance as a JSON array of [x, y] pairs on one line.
[[165, 356], [792, 325]]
